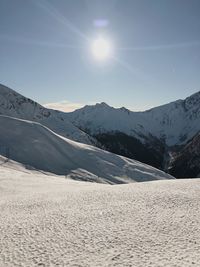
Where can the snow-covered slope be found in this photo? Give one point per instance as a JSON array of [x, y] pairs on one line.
[[148, 136], [50, 221], [15, 105], [175, 123], [34, 145]]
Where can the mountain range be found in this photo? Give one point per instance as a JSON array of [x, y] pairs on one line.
[[163, 136], [26, 139], [166, 137]]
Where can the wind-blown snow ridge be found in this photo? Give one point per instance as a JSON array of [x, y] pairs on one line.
[[35, 145]]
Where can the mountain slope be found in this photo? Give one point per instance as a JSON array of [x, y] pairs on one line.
[[156, 137], [15, 105], [175, 123], [186, 162], [32, 144], [148, 136]]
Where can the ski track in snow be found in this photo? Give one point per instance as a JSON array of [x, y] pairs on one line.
[[50, 221]]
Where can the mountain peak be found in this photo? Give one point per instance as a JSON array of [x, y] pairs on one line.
[[102, 104], [125, 110], [194, 96], [12, 102], [192, 101]]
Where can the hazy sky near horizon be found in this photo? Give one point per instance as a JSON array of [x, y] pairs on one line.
[[45, 51]]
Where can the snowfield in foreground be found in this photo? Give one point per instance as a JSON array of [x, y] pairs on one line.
[[51, 221]]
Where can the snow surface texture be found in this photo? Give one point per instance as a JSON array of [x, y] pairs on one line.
[[15, 105], [176, 122], [34, 145], [51, 221]]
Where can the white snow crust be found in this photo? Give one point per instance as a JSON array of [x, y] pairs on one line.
[[52, 221]]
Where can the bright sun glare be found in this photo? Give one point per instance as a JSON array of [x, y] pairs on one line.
[[101, 49]]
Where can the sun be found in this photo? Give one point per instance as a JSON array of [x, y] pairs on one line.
[[101, 49]]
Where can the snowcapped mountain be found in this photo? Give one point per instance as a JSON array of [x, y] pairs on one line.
[[157, 137], [147, 136], [175, 123], [33, 144], [15, 105]]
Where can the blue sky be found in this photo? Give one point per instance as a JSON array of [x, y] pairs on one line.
[[45, 51]]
